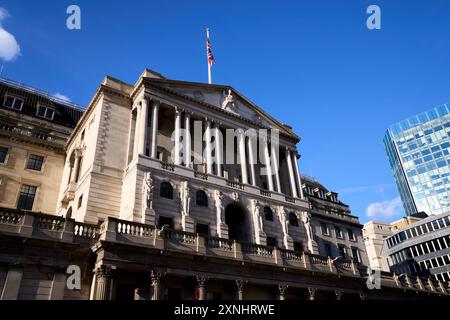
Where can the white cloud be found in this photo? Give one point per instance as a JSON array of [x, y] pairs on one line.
[[385, 209], [377, 188], [9, 48], [61, 96]]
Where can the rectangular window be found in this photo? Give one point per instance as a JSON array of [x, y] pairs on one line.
[[202, 229], [342, 251], [338, 232], [13, 102], [45, 112], [3, 154], [80, 201], [298, 246], [26, 197], [324, 228], [351, 235], [355, 254], [271, 241], [162, 221], [327, 248], [35, 162]]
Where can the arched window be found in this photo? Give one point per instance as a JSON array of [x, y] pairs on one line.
[[293, 219], [201, 198], [166, 190], [268, 214]]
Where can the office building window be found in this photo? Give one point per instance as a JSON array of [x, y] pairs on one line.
[[202, 229], [3, 154], [268, 214], [338, 232], [341, 251], [26, 197], [35, 162], [166, 190], [324, 228], [355, 254], [327, 248], [13, 102], [351, 235], [201, 198], [45, 112]]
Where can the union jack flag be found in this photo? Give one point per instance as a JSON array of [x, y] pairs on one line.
[[209, 52]]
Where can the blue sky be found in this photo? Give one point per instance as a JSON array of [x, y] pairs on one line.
[[311, 64]]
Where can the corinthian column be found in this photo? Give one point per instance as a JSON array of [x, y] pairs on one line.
[[219, 146], [251, 159], [154, 128], [103, 278], [187, 138], [297, 175], [208, 147], [291, 173], [143, 127], [176, 158], [137, 129], [276, 167], [242, 157], [268, 165]]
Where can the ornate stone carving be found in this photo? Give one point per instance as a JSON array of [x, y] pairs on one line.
[[198, 95], [185, 198], [312, 293], [339, 294], [284, 221], [235, 196], [306, 219], [220, 212], [148, 190], [228, 102]]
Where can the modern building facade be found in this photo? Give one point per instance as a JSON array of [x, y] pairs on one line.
[[418, 149], [142, 214], [422, 248], [375, 235]]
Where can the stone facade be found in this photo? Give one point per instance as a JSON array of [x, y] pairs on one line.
[[140, 224]]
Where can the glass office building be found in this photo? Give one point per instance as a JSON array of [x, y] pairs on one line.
[[418, 149]]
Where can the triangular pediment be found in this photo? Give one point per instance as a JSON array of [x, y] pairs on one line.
[[225, 98]]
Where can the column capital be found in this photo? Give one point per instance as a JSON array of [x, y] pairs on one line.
[[178, 110], [241, 284], [104, 271], [338, 294], [155, 277], [201, 280], [282, 288], [312, 293]]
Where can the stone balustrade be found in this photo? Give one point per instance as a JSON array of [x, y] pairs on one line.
[[49, 227]]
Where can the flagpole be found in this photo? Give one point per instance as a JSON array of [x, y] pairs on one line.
[[207, 59]]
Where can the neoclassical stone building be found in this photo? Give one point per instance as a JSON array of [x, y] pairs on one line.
[[147, 211]]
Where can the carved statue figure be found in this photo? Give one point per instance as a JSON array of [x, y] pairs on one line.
[[220, 212], [148, 190], [306, 218], [185, 198], [228, 101]]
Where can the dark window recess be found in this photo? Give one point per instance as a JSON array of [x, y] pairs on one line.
[[268, 214], [35, 162], [324, 229], [293, 221], [327, 248], [80, 201], [203, 229], [298, 246], [3, 154], [166, 190], [341, 251], [201, 198], [271, 241], [82, 134], [162, 221], [173, 294], [351, 235], [26, 197]]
